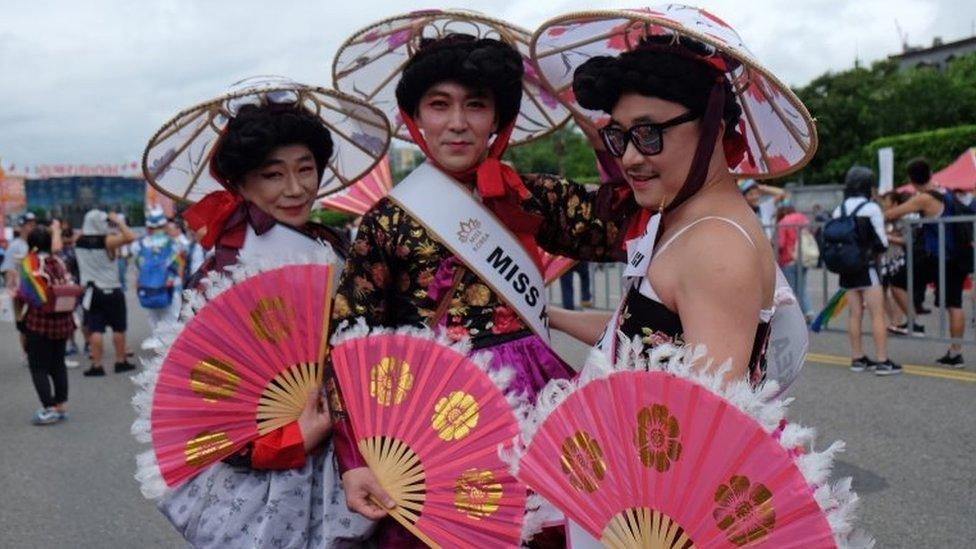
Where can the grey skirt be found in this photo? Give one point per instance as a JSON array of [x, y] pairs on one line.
[[227, 506]]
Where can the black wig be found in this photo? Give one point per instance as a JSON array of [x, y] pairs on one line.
[[257, 130], [660, 66], [477, 64]]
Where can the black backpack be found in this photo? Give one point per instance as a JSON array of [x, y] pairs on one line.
[[960, 247], [841, 249]]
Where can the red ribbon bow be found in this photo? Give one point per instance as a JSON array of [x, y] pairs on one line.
[[212, 214]]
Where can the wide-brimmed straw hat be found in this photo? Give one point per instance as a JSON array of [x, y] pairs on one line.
[[177, 158], [779, 133], [370, 63]]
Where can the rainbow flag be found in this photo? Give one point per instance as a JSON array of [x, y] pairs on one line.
[[179, 263], [830, 312], [33, 288]]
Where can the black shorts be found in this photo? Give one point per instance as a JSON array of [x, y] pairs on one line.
[[860, 280], [954, 279], [107, 309]]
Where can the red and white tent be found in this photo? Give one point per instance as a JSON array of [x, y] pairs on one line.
[[961, 174], [958, 176]]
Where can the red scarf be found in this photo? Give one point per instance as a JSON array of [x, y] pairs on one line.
[[212, 214], [498, 185]]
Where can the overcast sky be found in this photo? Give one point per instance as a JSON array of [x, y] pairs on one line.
[[90, 81]]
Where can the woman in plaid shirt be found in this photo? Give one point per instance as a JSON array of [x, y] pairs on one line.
[[47, 332]]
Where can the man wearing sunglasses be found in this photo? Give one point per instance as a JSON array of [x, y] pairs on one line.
[[673, 130]]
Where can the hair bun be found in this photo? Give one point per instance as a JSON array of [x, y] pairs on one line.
[[594, 83], [474, 63]]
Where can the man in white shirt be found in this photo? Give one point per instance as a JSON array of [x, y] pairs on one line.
[[864, 289]]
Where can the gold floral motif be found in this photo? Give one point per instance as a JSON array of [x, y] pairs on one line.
[[455, 416], [389, 381], [657, 437], [272, 319], [213, 379], [585, 209], [206, 447], [572, 204], [744, 511], [340, 307], [477, 295], [335, 400], [426, 248], [477, 493], [582, 461]]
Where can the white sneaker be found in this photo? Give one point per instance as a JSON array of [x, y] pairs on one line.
[[69, 363]]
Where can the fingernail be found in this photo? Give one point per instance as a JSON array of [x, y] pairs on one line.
[[390, 504]]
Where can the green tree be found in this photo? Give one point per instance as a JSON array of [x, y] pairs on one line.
[[856, 107], [565, 152]]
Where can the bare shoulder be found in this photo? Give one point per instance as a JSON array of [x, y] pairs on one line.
[[721, 243]]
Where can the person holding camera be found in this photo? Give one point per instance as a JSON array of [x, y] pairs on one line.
[[104, 300]]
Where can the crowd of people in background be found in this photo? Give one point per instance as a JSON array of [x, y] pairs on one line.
[[49, 261], [884, 276], [890, 284]]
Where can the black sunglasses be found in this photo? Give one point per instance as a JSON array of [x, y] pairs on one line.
[[647, 138]]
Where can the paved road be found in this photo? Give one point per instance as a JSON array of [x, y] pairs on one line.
[[911, 444]]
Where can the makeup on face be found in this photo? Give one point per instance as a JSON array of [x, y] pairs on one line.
[[285, 185], [457, 123]]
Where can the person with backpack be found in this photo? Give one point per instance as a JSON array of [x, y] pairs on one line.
[[158, 258], [957, 255], [852, 242], [50, 295]]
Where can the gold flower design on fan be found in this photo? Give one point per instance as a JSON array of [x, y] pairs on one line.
[[477, 493], [582, 461], [657, 437], [214, 379], [206, 447], [272, 319], [389, 381], [455, 416], [744, 511]]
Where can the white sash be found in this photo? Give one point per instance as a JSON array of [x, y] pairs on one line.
[[639, 252], [459, 221]]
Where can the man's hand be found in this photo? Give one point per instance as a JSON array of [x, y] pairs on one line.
[[315, 421], [363, 492]]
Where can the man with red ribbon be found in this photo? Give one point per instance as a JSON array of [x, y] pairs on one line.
[[460, 97]]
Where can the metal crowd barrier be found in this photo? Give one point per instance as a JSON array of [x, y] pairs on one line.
[[605, 281]]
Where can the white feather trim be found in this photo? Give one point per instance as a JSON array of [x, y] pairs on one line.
[[150, 477], [837, 501], [538, 513], [500, 377], [147, 469]]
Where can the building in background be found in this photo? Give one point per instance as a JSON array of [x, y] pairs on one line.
[[71, 197], [938, 55]]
